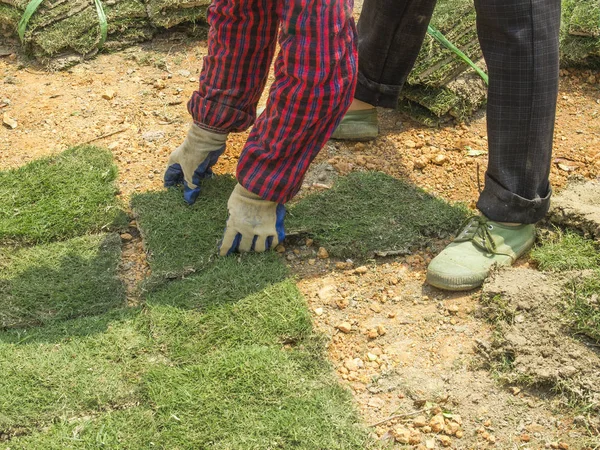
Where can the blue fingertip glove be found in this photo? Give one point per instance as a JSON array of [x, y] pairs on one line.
[[192, 161], [254, 224]]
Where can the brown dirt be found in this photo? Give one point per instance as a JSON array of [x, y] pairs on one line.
[[424, 356]]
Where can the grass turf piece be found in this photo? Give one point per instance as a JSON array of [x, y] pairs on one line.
[[566, 251], [367, 212], [584, 306], [60, 280], [180, 237], [60, 197], [70, 369]]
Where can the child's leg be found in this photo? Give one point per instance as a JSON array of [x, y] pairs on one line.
[[315, 75]]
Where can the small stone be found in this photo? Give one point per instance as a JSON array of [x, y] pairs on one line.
[[487, 423], [354, 364], [440, 159], [410, 144], [323, 253], [372, 357], [401, 434], [420, 421], [342, 303], [126, 236], [185, 73], [563, 446], [451, 428], [420, 163], [327, 292], [159, 84], [319, 311], [341, 265], [151, 136], [309, 242], [515, 390], [445, 440], [459, 434], [381, 330], [415, 437], [453, 309], [372, 334], [361, 270], [109, 94], [375, 307], [426, 429], [312, 261], [376, 403], [344, 327], [525, 438], [280, 248], [9, 121], [430, 444], [437, 423]]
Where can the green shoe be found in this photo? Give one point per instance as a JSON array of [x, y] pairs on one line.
[[481, 245], [358, 125]]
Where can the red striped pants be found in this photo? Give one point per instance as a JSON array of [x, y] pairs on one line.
[[315, 76]]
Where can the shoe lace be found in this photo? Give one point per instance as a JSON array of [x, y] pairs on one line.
[[477, 229]]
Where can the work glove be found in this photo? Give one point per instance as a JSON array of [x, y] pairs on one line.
[[254, 224], [192, 161]]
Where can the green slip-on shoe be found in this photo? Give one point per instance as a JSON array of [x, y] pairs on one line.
[[482, 244], [358, 125]]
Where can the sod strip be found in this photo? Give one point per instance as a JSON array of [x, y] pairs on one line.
[[369, 212], [180, 237], [60, 197], [70, 370], [61, 280]]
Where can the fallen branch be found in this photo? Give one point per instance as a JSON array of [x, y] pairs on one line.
[[103, 136], [400, 416]]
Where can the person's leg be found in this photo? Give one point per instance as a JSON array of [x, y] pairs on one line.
[[390, 35], [241, 43], [519, 39], [315, 76]]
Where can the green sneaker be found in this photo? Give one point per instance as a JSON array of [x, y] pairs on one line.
[[481, 245], [358, 125]]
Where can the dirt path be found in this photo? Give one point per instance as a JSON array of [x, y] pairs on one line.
[[409, 348]]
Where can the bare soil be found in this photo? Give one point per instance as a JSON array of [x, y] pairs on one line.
[[409, 349]]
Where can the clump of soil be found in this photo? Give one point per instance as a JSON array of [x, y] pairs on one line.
[[578, 206], [533, 344]]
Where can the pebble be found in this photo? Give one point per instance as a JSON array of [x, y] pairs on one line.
[[151, 136], [185, 73], [319, 311], [372, 357], [344, 327], [381, 331], [126, 236], [312, 261], [440, 160], [309, 242], [401, 434], [109, 94], [361, 270], [420, 421], [323, 253], [410, 144], [376, 403], [445, 440], [342, 303], [372, 334], [437, 423], [430, 444]]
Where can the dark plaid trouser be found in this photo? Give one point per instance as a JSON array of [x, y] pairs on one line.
[[315, 77], [519, 39]]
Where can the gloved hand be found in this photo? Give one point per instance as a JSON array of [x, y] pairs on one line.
[[192, 161], [253, 223]]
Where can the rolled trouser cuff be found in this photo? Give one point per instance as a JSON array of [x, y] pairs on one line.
[[377, 94], [501, 205]]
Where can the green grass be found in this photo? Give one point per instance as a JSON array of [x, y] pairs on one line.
[[60, 280], [60, 197], [370, 211], [583, 306], [566, 251], [180, 237], [226, 358]]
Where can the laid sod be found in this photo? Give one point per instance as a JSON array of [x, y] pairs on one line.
[[566, 251], [180, 237], [60, 197], [570, 251], [60, 280], [224, 359], [368, 212]]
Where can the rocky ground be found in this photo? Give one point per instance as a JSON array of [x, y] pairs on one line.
[[409, 353]]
